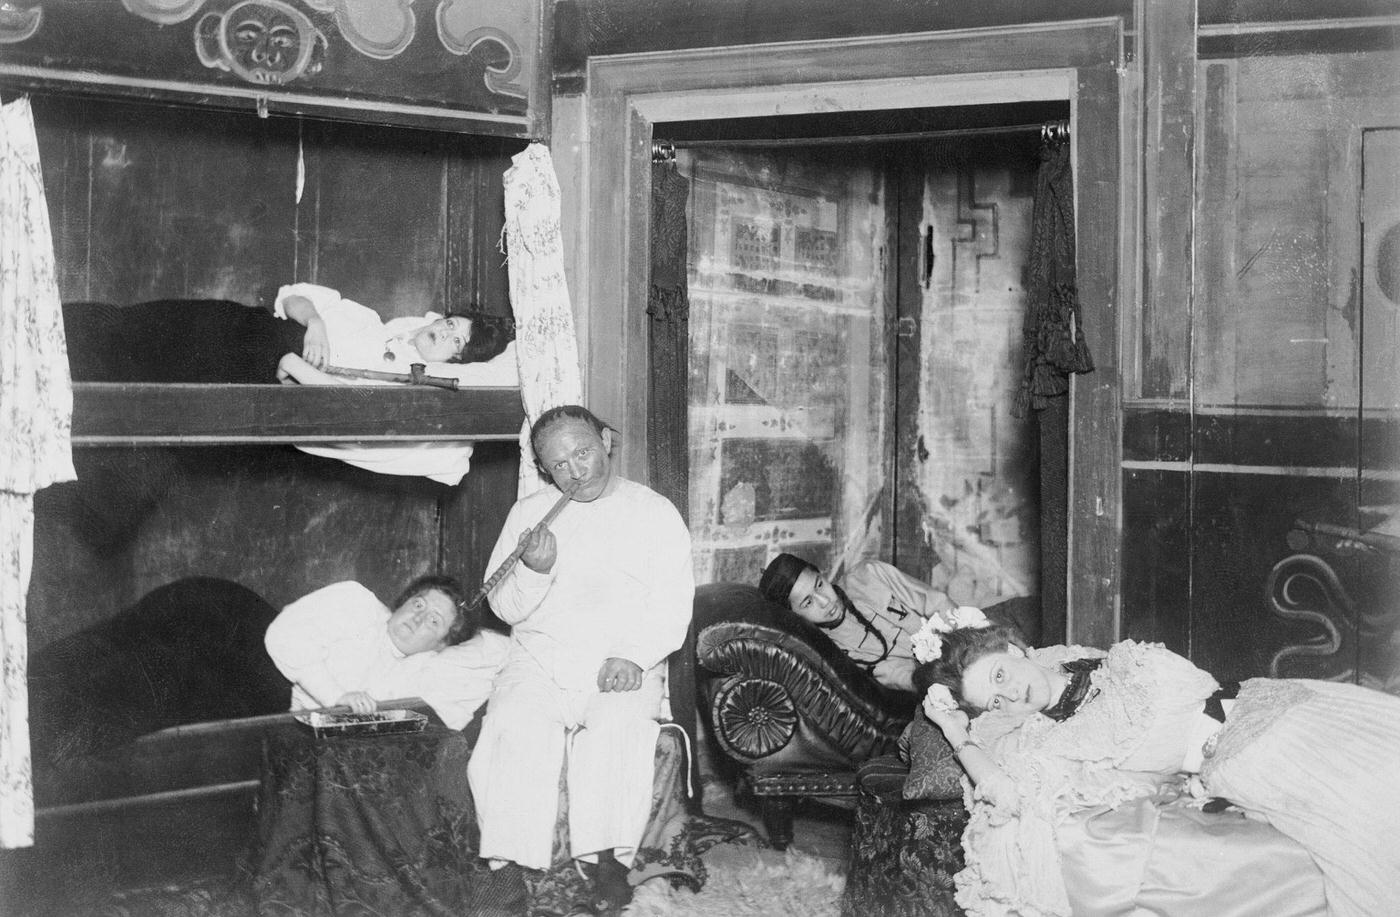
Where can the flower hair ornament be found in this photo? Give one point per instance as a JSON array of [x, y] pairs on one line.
[[927, 644]]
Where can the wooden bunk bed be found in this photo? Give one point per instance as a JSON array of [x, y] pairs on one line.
[[379, 141]]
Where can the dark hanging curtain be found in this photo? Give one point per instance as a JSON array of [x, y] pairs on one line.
[[1054, 347], [668, 453], [668, 336]]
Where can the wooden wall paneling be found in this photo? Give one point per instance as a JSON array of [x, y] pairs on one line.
[[165, 203], [1168, 45], [475, 510], [1156, 556], [890, 499], [274, 519], [181, 205], [631, 26], [1241, 523], [615, 379], [1095, 450], [65, 156], [474, 195], [379, 216], [910, 550], [1216, 239]]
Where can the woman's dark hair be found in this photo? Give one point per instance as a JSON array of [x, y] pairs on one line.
[[488, 339], [467, 621], [781, 575], [961, 648]]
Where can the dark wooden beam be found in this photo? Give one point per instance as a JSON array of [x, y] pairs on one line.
[[1169, 150], [630, 26], [124, 413]]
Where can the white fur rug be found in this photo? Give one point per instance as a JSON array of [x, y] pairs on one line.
[[748, 882]]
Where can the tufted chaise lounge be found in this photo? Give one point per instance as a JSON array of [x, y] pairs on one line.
[[790, 708]]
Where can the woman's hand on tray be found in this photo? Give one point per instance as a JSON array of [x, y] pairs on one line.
[[358, 702]]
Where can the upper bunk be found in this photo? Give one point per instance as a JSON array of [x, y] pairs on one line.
[[182, 162], [155, 203]]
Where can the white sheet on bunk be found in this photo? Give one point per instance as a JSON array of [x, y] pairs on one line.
[[446, 463]]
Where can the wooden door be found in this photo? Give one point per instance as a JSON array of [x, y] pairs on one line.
[[965, 508]]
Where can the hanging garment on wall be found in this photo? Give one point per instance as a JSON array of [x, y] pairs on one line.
[[546, 345], [36, 413], [1052, 337]]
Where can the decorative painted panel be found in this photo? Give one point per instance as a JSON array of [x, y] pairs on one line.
[[469, 65], [788, 389]]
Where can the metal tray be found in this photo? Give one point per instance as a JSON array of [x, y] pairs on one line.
[[379, 723]]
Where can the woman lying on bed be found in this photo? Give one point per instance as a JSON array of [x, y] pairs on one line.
[[212, 340], [341, 645], [1063, 729], [311, 327]]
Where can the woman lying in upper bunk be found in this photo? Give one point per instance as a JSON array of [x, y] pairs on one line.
[[340, 645], [211, 340], [1066, 728], [342, 333]]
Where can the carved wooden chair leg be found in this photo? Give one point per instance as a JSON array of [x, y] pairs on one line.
[[777, 819]]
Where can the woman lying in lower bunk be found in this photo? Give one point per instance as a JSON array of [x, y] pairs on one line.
[[342, 646], [1060, 730]]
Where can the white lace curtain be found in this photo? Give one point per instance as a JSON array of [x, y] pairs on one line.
[[545, 343], [36, 409]]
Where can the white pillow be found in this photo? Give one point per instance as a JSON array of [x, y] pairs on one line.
[[500, 370]]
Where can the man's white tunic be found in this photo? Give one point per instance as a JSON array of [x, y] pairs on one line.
[[621, 586]]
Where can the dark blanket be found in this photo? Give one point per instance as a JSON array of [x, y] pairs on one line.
[[177, 340], [187, 652]]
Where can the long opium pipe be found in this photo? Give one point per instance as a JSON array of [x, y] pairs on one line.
[[514, 556]]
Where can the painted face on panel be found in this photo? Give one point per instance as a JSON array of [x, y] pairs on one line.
[[267, 42], [420, 625], [814, 598], [571, 451], [1007, 682], [442, 340]]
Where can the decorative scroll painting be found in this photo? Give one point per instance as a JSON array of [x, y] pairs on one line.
[[788, 388], [426, 61]]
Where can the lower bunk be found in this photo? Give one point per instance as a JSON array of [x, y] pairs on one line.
[[153, 799]]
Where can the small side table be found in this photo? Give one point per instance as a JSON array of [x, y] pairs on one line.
[[382, 825]]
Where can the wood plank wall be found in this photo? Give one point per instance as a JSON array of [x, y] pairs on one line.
[[151, 202]]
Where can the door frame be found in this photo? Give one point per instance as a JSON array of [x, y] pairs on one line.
[[602, 149]]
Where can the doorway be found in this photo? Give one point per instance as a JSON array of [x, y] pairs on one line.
[[602, 147], [856, 303]]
